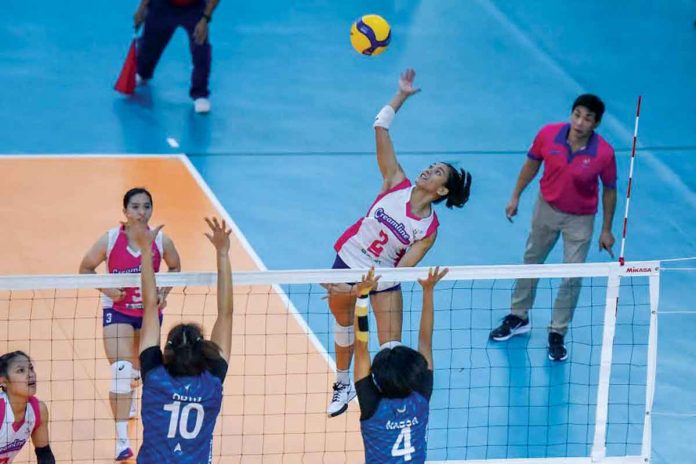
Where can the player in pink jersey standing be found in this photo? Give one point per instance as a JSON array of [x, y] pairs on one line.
[[123, 308], [21, 415], [397, 231]]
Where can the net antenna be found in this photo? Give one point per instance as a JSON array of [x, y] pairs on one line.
[[630, 183]]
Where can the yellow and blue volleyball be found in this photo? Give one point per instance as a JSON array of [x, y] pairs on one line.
[[370, 35]]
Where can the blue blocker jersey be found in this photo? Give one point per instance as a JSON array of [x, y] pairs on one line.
[[396, 433], [179, 415], [394, 429]]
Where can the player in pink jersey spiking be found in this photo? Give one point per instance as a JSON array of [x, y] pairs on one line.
[[21, 415], [397, 231], [123, 308]]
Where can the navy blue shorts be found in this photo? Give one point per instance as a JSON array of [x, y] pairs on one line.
[[340, 264], [112, 316]]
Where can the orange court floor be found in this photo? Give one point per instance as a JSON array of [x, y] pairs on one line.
[[53, 209]]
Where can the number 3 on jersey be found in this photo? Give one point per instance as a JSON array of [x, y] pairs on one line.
[[180, 416], [377, 247], [405, 438]]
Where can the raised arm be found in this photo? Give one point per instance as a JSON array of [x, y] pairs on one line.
[[143, 237], [219, 236], [425, 337], [360, 325], [386, 157]]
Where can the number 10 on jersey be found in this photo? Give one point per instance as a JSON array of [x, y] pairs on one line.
[[180, 417]]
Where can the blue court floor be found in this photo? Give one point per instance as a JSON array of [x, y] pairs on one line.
[[288, 147]]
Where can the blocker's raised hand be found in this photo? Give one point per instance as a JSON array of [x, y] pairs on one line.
[[220, 236]]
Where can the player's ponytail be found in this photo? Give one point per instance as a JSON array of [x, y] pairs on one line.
[[458, 185], [187, 353]]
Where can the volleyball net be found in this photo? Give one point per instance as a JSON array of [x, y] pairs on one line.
[[493, 402]]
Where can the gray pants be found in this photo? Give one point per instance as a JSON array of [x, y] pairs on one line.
[[547, 224]]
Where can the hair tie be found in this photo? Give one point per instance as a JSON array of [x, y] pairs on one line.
[[374, 380], [390, 345]]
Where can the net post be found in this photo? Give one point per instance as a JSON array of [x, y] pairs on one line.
[[599, 448], [652, 365]]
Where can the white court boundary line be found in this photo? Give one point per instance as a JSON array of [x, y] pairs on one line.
[[181, 157], [203, 185]]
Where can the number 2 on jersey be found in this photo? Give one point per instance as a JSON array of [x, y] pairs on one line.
[[179, 416], [377, 247], [405, 438]]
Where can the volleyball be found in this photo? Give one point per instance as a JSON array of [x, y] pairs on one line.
[[370, 35]]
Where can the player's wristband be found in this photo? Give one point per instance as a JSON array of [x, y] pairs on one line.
[[363, 332], [363, 293], [208, 18], [44, 455], [385, 117]]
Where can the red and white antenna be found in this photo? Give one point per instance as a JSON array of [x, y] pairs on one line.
[[630, 183]]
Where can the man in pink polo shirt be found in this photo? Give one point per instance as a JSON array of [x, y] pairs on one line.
[[575, 157]]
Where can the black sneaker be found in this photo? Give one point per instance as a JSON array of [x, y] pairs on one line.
[[557, 350], [511, 326]]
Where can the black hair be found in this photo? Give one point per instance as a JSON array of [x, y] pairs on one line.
[[459, 185], [398, 370], [135, 191], [7, 358], [593, 104], [187, 353]]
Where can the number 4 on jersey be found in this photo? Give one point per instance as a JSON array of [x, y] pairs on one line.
[[407, 450]]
